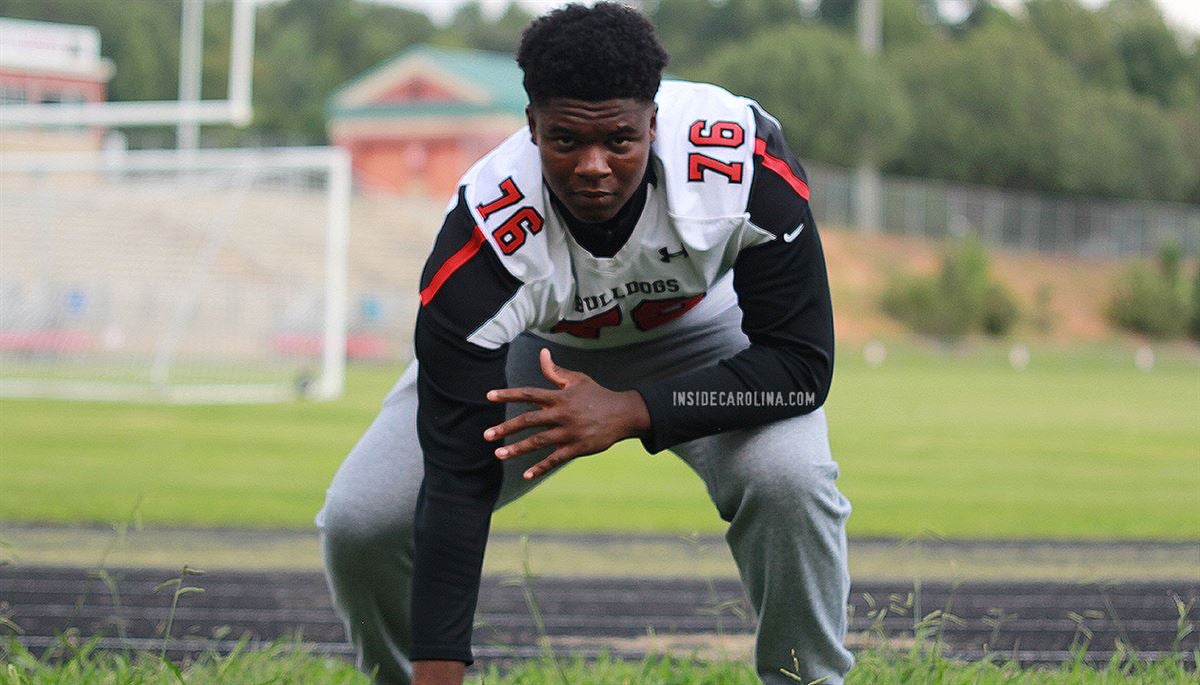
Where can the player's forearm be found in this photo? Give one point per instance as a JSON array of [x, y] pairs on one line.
[[449, 537], [758, 386], [459, 490]]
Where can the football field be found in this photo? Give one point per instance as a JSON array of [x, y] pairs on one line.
[[1080, 444]]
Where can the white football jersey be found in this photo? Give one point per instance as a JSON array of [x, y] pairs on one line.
[[676, 267]]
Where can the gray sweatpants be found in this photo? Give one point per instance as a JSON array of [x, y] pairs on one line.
[[774, 484]]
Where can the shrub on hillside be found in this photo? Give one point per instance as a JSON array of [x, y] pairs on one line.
[[1151, 300], [959, 299], [1000, 310], [915, 300], [1195, 327]]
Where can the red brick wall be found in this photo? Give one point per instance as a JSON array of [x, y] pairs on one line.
[[429, 167], [38, 87]]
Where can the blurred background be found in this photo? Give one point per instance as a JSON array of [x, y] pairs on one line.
[[213, 216]]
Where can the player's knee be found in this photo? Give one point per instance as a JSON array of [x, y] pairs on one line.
[[798, 490], [349, 530]]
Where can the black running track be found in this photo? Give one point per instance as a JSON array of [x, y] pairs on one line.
[[1032, 622]]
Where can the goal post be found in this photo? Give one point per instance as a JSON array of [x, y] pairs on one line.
[[235, 109], [208, 276]]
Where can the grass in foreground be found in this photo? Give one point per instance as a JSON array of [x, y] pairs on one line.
[[288, 663], [1078, 445]]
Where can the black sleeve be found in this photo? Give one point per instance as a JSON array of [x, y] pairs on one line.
[[783, 291], [463, 286]]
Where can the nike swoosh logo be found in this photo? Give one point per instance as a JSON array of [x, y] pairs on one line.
[[789, 237]]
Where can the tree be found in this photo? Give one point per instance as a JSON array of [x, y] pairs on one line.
[[904, 21], [838, 13], [1155, 64], [692, 30], [1155, 160], [1080, 36], [909, 22], [132, 36], [304, 49], [986, 14], [826, 93], [999, 108], [988, 109], [1187, 123], [471, 29], [679, 23]]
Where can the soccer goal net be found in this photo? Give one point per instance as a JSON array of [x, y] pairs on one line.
[[178, 276]]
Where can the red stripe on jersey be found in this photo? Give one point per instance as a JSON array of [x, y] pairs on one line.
[[780, 167], [451, 265]]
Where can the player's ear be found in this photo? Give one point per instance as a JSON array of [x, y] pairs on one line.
[[532, 124], [653, 122]]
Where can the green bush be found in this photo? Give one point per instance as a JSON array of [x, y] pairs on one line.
[[964, 286], [959, 299], [1000, 310], [1150, 300], [908, 298], [1195, 324]]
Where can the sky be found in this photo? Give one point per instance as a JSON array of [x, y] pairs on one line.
[[1183, 14]]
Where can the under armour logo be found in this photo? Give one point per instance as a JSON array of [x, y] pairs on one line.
[[666, 255]]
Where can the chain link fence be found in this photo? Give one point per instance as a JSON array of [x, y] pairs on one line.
[[1088, 227]]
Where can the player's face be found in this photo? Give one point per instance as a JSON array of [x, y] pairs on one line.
[[594, 154]]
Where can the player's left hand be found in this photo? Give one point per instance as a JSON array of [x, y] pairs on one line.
[[580, 418]]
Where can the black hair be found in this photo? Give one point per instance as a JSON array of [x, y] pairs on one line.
[[603, 52]]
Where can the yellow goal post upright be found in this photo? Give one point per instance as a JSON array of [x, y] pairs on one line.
[[185, 275]]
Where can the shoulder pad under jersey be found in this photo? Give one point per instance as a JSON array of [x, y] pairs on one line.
[[705, 139], [505, 197]]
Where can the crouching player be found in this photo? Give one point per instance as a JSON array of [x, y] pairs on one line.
[[641, 261]]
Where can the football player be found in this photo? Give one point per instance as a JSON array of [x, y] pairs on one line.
[[640, 262]]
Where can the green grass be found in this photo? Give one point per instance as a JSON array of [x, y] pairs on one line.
[[80, 664], [290, 664], [1079, 445]]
